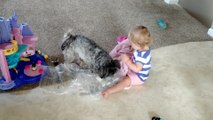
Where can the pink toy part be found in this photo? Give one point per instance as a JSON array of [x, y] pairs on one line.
[[17, 35], [27, 67], [30, 39], [121, 38], [5, 45], [41, 71], [4, 67], [39, 62], [33, 73]]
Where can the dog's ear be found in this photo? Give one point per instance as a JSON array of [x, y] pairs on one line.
[[68, 35], [65, 44], [68, 38]]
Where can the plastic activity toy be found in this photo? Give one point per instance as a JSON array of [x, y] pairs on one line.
[[162, 23], [19, 61]]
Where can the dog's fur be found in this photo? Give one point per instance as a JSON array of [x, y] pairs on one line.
[[87, 54]]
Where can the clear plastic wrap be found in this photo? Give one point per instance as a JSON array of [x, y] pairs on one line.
[[62, 80]]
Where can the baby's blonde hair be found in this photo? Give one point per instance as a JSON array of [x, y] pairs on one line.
[[140, 35]]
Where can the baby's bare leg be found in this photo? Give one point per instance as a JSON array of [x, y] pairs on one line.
[[125, 82]]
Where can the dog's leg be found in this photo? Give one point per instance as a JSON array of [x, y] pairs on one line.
[[77, 65], [81, 63], [69, 55]]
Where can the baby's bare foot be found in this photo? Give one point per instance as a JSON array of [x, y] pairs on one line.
[[105, 93]]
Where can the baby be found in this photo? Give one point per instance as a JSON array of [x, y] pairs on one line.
[[139, 65]]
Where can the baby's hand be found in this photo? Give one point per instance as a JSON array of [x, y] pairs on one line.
[[124, 58], [131, 50]]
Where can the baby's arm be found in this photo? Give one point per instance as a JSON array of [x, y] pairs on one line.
[[136, 67]]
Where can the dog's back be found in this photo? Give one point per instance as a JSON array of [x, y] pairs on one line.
[[97, 59]]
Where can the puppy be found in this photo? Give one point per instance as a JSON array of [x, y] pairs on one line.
[[86, 54]]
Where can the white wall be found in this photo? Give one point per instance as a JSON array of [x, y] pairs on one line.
[[171, 1], [212, 25], [200, 9], [210, 31]]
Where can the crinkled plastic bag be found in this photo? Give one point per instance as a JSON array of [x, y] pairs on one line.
[[62, 80], [56, 79]]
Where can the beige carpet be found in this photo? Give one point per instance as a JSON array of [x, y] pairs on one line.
[[179, 88]]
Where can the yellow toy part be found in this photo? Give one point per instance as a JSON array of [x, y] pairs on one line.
[[25, 59], [11, 50]]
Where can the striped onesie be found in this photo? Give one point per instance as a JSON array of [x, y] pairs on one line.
[[143, 57]]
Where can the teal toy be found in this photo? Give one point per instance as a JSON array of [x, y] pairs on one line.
[[13, 59], [162, 23]]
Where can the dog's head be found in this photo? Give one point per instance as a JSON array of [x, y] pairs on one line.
[[109, 68], [68, 38]]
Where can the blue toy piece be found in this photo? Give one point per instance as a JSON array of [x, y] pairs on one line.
[[24, 79], [25, 30], [5, 35], [162, 23], [6, 86], [14, 21]]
